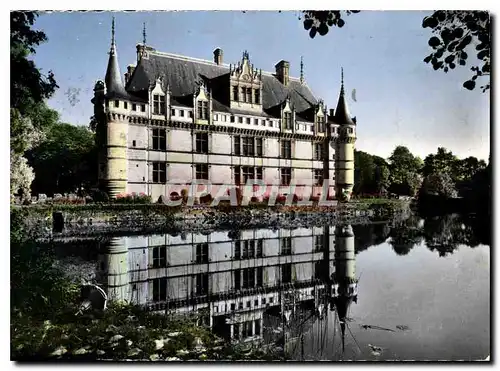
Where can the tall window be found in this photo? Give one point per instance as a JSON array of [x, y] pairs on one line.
[[202, 171], [237, 279], [117, 103], [286, 273], [158, 104], [143, 108], [286, 175], [244, 94], [134, 107], [202, 284], [260, 277], [235, 94], [286, 149], [247, 329], [248, 278], [257, 96], [318, 243], [237, 145], [258, 144], [321, 124], [160, 139], [260, 245], [258, 173], [318, 177], [203, 110], [248, 146], [248, 173], [160, 257], [159, 172], [237, 175], [249, 95], [287, 118], [318, 151], [286, 246], [237, 250], [202, 253], [160, 289], [202, 142]]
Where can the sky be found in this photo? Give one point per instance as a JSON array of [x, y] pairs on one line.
[[399, 99]]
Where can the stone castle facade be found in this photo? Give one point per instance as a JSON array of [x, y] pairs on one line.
[[175, 119]]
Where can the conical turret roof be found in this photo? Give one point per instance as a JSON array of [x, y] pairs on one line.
[[114, 84], [342, 115]]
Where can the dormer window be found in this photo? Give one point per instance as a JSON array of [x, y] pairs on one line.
[[257, 96], [117, 103], [235, 94], [158, 104], [287, 120], [202, 110]]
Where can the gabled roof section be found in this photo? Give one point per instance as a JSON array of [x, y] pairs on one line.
[[181, 74]]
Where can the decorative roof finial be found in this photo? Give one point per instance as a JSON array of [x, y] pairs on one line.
[[301, 69], [245, 55], [113, 35], [341, 80], [144, 33]]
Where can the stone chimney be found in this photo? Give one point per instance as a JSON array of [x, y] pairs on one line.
[[283, 72], [218, 56], [130, 71]]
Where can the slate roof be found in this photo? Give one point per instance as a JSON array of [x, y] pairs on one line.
[[114, 84], [342, 115], [182, 73]]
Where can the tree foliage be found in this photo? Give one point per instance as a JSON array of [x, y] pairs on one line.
[[438, 184], [371, 174], [321, 21], [28, 86], [65, 161], [454, 33], [29, 89], [404, 170]]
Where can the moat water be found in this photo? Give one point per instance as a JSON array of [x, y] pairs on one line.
[[418, 290]]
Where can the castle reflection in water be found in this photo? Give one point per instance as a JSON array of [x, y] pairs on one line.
[[240, 283]]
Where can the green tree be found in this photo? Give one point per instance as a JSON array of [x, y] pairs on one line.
[[443, 161], [65, 161], [28, 86], [454, 32], [438, 184], [363, 173], [404, 172], [28, 90]]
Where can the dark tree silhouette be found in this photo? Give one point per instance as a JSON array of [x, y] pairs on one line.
[[454, 31], [28, 86]]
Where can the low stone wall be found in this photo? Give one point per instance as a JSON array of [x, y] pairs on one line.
[[141, 219]]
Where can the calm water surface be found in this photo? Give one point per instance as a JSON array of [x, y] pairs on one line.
[[419, 290]]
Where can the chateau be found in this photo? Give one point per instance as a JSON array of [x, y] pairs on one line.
[[175, 119]]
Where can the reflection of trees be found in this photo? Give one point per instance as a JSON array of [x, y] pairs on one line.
[[368, 235], [438, 234], [441, 233], [406, 235]]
